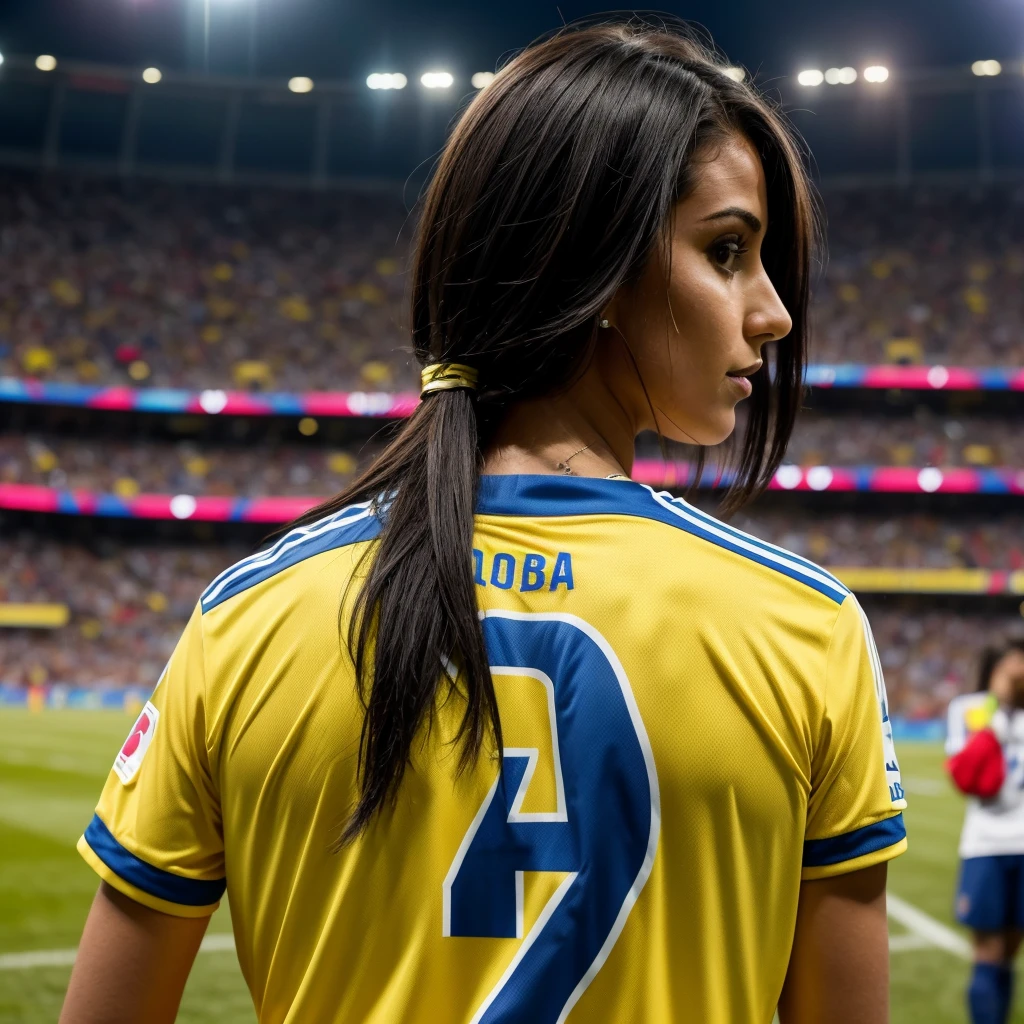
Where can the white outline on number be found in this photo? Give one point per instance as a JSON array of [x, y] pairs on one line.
[[652, 840], [516, 813]]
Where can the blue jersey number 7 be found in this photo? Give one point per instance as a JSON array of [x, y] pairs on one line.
[[603, 833]]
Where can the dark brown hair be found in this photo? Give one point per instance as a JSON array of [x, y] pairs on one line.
[[552, 192], [991, 656]]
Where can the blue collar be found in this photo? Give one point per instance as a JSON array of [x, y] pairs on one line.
[[541, 495]]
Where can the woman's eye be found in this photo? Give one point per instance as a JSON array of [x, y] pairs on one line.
[[726, 252]]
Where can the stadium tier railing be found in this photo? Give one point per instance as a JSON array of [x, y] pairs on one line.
[[33, 615], [60, 696], [216, 401], [229, 509]]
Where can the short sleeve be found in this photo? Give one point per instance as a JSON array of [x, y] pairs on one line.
[[156, 834], [854, 814], [956, 728]]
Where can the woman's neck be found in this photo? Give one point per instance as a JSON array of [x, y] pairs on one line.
[[584, 430]]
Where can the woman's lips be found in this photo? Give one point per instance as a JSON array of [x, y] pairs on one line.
[[742, 384]]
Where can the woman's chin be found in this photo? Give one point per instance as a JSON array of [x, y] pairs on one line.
[[707, 433]]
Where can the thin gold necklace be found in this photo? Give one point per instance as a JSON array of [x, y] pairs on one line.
[[567, 469], [564, 465]]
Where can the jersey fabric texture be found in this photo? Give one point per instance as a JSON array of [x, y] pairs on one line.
[[993, 827], [694, 721]]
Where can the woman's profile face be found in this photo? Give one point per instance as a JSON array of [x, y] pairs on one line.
[[697, 339]]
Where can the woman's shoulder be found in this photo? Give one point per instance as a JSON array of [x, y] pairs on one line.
[[267, 569], [740, 558]]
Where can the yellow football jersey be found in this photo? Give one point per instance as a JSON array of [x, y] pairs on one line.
[[694, 721]]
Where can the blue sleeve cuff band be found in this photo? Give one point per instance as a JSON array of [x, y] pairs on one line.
[[189, 892], [819, 853]]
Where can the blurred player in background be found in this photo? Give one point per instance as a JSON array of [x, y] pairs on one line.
[[589, 753], [986, 760]]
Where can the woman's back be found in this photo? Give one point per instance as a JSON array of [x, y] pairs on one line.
[[668, 688], [691, 725]]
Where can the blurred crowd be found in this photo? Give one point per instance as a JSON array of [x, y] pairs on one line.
[[146, 284], [129, 605], [929, 657], [130, 468], [929, 274], [127, 468], [924, 439], [161, 285], [904, 542]]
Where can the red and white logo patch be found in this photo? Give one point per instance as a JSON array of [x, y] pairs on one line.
[[129, 759]]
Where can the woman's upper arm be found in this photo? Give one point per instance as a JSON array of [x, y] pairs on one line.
[[839, 967], [132, 963]]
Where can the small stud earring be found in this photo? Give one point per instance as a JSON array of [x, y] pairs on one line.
[[605, 323]]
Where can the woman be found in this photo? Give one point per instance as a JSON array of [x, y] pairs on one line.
[[590, 754], [986, 747]]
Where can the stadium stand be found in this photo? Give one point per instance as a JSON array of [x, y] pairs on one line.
[[129, 603], [127, 468], [186, 286], [142, 286]]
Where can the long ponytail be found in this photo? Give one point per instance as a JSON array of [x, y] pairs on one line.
[[554, 189], [416, 612]]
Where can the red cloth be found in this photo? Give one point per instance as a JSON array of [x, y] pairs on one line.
[[980, 768]]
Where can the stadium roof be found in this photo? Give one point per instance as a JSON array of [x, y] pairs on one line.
[[330, 40]]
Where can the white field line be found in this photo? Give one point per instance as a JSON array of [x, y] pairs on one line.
[[925, 927], [926, 787], [66, 957], [924, 931], [902, 943]]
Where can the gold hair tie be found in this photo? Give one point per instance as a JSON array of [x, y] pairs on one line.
[[445, 377]]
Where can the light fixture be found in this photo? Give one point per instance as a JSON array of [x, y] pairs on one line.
[[46, 62], [811, 77], [841, 76], [300, 84], [876, 74], [482, 79], [152, 75], [735, 73], [987, 67], [437, 80], [383, 80]]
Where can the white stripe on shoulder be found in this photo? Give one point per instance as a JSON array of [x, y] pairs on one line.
[[300, 535], [747, 543], [758, 542]]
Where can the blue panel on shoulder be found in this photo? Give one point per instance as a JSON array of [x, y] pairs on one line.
[[349, 526], [819, 853], [188, 892], [575, 496]]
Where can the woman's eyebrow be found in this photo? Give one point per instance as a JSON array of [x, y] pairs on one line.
[[754, 223]]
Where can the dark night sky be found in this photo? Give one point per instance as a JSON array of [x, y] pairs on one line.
[[348, 38]]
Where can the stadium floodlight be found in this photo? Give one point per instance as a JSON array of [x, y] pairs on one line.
[[46, 62], [152, 75], [482, 79], [300, 84], [183, 506], [437, 80], [736, 74], [811, 77], [383, 80], [876, 74], [987, 67], [841, 76]]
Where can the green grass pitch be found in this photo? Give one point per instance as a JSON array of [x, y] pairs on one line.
[[52, 766]]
